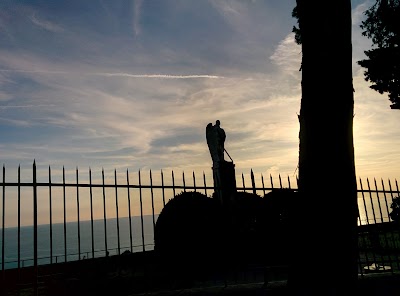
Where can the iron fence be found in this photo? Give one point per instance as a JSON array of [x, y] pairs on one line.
[[103, 216]]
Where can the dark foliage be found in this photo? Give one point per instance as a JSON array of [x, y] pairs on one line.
[[296, 30], [382, 26], [194, 234], [189, 233], [395, 206]]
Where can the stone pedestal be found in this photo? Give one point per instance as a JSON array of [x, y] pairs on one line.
[[225, 183]]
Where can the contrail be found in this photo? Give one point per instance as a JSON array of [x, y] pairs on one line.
[[26, 106], [160, 76], [33, 71], [163, 76]]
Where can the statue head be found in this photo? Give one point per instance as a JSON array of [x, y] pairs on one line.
[[217, 122]]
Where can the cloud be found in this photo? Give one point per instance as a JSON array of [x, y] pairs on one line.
[[4, 107], [136, 17], [44, 24], [358, 12], [102, 98], [162, 76], [287, 55]]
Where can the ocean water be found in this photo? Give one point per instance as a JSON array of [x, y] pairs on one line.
[[139, 239]]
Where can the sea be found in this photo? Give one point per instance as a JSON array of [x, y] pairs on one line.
[[64, 245], [52, 248]]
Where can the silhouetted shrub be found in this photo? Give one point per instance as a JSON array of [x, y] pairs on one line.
[[194, 233], [189, 232]]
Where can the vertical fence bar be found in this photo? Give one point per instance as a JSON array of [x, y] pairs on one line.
[[173, 183], [91, 209], [288, 179], [78, 214], [35, 230], [184, 181], [3, 223], [262, 182], [117, 212], [141, 212], [253, 182], [375, 235], [372, 203], [19, 220], [272, 183], [104, 213], [384, 232], [397, 245], [243, 184], [50, 217], [367, 218], [359, 253], [152, 202], [391, 190], [364, 202], [194, 182], [204, 181], [379, 202], [385, 198], [392, 235], [162, 186], [392, 197], [129, 211], [65, 218], [280, 181]]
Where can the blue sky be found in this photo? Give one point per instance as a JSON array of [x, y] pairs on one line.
[[132, 84]]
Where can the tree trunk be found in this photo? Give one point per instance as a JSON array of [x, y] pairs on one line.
[[325, 246]]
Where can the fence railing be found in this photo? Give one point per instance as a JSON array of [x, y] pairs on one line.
[[64, 221]]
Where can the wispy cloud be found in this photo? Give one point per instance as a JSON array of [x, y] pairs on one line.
[[128, 75], [162, 76], [45, 24], [103, 98], [25, 106], [287, 55], [137, 17], [358, 12]]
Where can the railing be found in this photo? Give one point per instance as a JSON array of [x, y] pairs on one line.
[[82, 210]]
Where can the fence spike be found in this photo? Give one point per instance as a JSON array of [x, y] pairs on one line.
[[194, 181], [253, 183]]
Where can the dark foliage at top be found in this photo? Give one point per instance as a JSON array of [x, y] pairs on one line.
[[382, 65], [296, 30]]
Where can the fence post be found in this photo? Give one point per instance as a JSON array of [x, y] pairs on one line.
[[2, 227], [104, 213], [141, 211], [35, 225], [19, 222], [117, 211], [129, 210], [78, 214], [253, 182], [50, 218]]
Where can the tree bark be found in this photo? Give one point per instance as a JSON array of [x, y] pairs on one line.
[[325, 247]]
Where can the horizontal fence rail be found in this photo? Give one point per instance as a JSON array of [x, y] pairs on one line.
[[102, 216]]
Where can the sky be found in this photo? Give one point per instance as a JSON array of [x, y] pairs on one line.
[[132, 84]]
